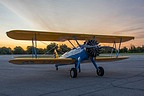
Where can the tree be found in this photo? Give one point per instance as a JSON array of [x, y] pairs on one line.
[[51, 47], [107, 49], [29, 49], [5, 50], [41, 51], [132, 49], [142, 48], [18, 50], [63, 48], [124, 50], [139, 49]]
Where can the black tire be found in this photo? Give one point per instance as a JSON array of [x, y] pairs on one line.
[[73, 73], [100, 71], [56, 68]]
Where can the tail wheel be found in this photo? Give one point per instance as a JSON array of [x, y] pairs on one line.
[[100, 71], [57, 68], [73, 73]]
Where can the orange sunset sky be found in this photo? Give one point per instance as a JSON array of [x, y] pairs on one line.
[[107, 17]]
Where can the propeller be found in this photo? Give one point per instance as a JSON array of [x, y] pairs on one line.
[[93, 48]]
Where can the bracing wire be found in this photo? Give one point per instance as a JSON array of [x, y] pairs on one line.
[[48, 50]]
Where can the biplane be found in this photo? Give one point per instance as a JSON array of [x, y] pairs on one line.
[[89, 50]]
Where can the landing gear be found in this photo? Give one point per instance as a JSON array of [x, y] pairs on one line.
[[100, 71], [73, 73], [57, 68]]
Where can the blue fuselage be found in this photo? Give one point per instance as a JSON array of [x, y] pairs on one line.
[[76, 53]]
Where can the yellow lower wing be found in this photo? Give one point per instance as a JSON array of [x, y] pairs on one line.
[[109, 59], [21, 61], [42, 61]]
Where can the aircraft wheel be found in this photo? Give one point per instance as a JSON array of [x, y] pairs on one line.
[[57, 68], [73, 73], [100, 71]]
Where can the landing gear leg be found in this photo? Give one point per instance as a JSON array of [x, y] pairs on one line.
[[56, 67], [79, 69], [73, 71], [100, 70]]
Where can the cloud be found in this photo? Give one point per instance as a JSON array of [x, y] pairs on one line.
[[68, 15], [81, 16], [139, 35], [130, 30]]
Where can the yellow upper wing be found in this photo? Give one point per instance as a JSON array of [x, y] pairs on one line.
[[57, 36]]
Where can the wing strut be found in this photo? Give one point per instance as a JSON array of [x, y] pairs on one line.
[[117, 54], [34, 47], [77, 41], [71, 44], [115, 48]]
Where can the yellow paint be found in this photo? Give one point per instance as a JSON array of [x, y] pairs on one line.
[[60, 60], [56, 54], [57, 36]]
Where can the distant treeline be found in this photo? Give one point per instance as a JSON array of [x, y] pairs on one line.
[[62, 49], [132, 49], [48, 50]]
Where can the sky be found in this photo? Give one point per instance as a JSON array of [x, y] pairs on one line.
[[106, 17]]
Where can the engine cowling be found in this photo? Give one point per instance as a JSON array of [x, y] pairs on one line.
[[94, 50]]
